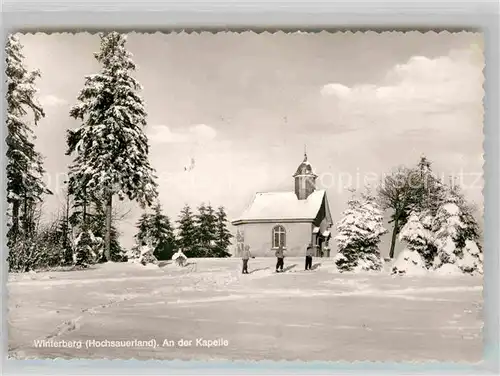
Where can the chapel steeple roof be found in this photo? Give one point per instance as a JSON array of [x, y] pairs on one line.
[[304, 168]]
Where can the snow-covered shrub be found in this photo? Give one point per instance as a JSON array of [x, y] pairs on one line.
[[30, 254], [147, 256], [449, 270], [359, 233], [88, 249], [42, 249], [409, 262], [133, 254], [179, 258]]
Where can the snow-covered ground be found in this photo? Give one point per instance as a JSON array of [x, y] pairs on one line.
[[298, 315]]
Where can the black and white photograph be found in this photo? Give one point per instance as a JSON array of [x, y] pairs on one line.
[[243, 196]]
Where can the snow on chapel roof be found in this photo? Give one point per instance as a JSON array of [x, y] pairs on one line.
[[280, 206]]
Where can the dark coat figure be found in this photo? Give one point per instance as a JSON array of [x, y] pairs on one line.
[[245, 256], [280, 256], [309, 256]]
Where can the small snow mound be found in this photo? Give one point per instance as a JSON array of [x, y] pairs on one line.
[[449, 270], [451, 208], [472, 248], [150, 265], [409, 263], [329, 267], [368, 263]]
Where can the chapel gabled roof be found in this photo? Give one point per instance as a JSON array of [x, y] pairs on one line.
[[282, 206]]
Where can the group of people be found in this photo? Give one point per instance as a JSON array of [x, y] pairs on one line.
[[280, 256]]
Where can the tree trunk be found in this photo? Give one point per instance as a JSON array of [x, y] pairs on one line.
[[25, 217], [84, 214], [67, 248], [394, 234], [84, 209], [107, 244], [15, 221]]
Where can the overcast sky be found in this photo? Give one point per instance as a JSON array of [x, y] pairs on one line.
[[244, 105]]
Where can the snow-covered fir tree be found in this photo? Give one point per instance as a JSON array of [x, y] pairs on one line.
[[359, 233], [25, 186], [223, 235], [59, 235], [110, 146], [419, 253], [81, 221], [81, 201], [418, 237], [206, 230], [162, 234], [187, 233], [456, 233], [431, 190], [88, 249], [155, 229], [143, 228]]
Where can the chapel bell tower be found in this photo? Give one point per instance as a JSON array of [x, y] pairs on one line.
[[305, 179]]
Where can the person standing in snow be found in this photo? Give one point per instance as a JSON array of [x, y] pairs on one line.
[[309, 256], [245, 256], [280, 256]]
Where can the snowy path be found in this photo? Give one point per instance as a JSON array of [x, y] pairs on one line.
[[313, 315]]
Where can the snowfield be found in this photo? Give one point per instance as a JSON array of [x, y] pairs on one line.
[[298, 315]]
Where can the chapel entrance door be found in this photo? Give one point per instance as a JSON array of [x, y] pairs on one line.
[[319, 249]]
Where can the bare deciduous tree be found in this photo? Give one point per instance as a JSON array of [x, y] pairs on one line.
[[399, 191]]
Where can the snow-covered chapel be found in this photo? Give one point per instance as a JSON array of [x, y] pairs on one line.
[[291, 219]]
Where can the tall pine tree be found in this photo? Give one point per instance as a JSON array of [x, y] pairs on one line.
[[430, 190], [110, 145], [25, 186], [187, 233], [162, 234], [223, 236], [143, 229]]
